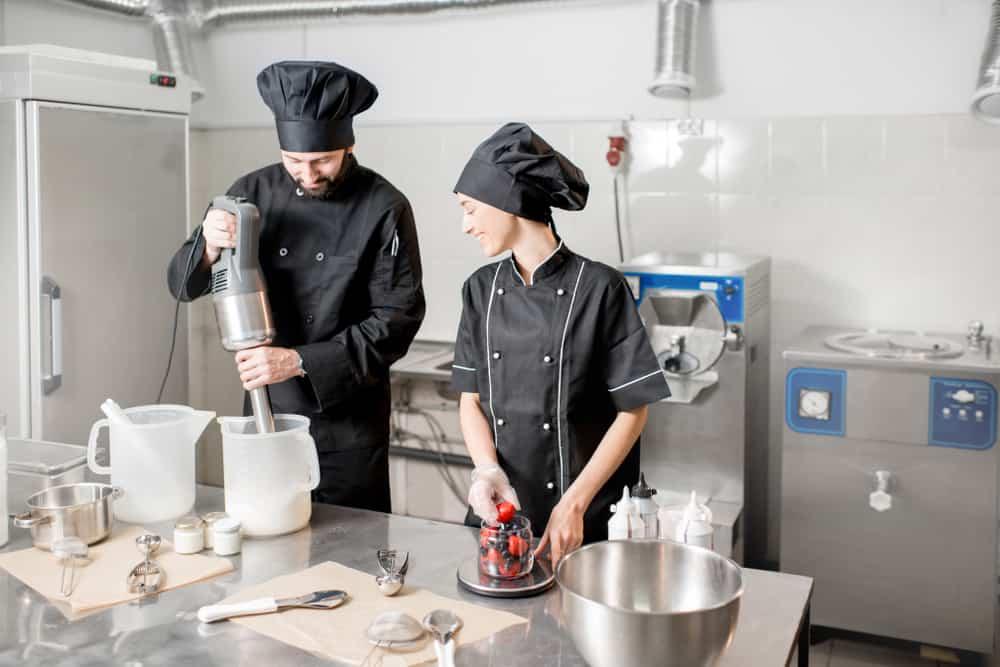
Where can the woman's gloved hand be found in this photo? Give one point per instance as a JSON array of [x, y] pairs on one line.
[[489, 487]]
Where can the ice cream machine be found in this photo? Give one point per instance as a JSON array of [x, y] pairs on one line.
[[708, 319]]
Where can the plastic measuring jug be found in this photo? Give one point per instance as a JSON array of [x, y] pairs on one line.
[[152, 459], [269, 476]]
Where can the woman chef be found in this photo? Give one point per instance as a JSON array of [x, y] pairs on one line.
[[552, 360]]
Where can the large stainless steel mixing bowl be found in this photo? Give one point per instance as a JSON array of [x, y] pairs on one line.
[[649, 602]]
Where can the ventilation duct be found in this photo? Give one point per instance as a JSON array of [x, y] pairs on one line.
[[225, 11], [172, 28], [125, 7], [677, 23], [986, 100], [173, 20]]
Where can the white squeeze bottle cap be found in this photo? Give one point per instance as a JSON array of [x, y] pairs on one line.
[[618, 525], [696, 524], [636, 526]]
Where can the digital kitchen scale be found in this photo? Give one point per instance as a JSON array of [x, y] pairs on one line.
[[540, 579]]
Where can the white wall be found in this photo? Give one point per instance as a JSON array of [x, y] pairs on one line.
[[48, 22], [756, 58]]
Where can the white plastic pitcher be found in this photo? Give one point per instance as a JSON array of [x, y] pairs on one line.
[[269, 475], [152, 459]]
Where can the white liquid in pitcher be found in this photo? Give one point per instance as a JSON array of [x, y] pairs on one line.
[[265, 514]]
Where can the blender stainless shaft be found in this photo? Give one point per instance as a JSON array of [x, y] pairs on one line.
[[240, 297], [261, 404]]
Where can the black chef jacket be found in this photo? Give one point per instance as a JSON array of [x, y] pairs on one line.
[[553, 364], [344, 280]]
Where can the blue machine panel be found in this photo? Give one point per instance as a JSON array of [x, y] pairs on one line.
[[728, 290], [827, 383], [963, 413]]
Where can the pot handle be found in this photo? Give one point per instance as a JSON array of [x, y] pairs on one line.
[[92, 449], [26, 520], [312, 458]]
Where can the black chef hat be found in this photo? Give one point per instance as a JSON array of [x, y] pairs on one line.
[[516, 171], [314, 103]]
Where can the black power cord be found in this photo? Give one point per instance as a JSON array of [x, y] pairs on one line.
[[177, 310]]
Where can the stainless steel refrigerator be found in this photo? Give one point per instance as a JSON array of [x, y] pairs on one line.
[[93, 202]]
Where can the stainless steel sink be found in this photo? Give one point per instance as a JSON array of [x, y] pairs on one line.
[[426, 360]]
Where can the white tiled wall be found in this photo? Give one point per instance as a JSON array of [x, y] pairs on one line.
[[878, 221], [870, 221]]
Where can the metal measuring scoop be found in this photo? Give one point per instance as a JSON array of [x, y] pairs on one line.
[[443, 624], [393, 565]]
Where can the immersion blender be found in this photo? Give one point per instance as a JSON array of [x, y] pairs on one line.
[[240, 297]]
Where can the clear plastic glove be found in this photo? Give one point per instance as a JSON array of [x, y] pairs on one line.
[[489, 487]]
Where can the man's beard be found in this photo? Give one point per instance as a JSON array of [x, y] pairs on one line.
[[324, 189]]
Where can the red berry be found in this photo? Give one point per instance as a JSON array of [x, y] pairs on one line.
[[493, 556], [505, 512], [517, 545]]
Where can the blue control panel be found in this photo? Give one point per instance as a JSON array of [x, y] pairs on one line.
[[963, 413], [728, 290], [814, 401]]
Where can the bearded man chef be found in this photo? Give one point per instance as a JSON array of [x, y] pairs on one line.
[[339, 252]]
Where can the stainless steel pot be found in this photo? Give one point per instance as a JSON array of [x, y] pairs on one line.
[[80, 510], [649, 602]]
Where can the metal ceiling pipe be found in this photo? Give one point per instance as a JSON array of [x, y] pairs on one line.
[[677, 24], [225, 11], [172, 41], [173, 20], [986, 99], [124, 7]]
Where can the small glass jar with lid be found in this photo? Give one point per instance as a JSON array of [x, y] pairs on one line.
[[210, 520], [189, 535], [227, 538]]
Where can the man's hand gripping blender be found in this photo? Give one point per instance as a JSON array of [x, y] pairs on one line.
[[240, 297]]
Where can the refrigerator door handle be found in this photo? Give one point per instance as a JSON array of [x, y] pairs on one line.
[[51, 344]]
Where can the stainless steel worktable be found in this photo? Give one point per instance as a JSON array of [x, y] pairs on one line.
[[164, 630]]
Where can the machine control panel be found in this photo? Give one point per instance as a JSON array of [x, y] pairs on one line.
[[963, 413], [728, 291], [814, 401]]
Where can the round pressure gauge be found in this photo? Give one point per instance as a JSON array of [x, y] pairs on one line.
[[814, 404]]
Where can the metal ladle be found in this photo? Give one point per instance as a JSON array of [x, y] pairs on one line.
[[443, 624]]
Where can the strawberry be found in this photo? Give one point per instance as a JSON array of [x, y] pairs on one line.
[[505, 512], [517, 545]]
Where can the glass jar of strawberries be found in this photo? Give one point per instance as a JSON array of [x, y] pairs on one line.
[[505, 549]]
